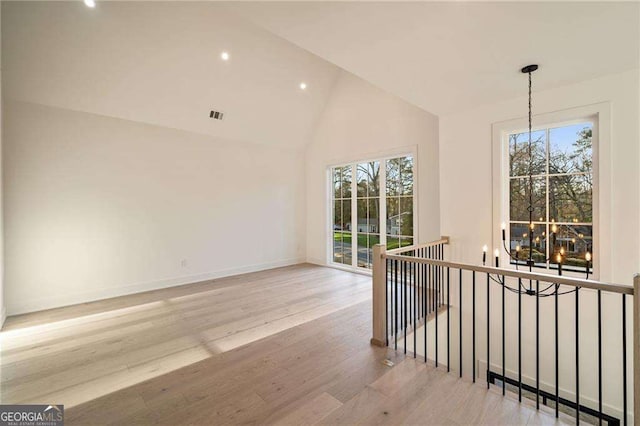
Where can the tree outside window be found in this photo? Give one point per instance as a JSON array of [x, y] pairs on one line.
[[561, 165], [357, 188]]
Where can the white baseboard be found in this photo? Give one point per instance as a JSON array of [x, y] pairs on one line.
[[319, 262], [316, 261], [58, 301]]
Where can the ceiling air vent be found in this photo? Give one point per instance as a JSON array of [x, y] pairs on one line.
[[216, 115]]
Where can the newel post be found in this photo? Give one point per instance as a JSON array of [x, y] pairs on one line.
[[636, 349], [379, 296]]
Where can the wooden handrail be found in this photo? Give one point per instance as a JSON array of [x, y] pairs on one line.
[[575, 282], [381, 259], [442, 240]]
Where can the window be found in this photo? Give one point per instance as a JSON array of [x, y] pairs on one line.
[[381, 189], [562, 186], [399, 202], [342, 215]]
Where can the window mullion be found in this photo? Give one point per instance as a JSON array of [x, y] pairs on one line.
[[382, 193], [354, 211], [547, 247]]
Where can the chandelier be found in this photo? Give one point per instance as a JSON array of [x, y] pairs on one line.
[[556, 251]]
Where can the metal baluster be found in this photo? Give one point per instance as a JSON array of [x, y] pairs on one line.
[[416, 282], [424, 285], [624, 359], [437, 273], [423, 268], [520, 339], [537, 346], [599, 357], [442, 273], [448, 322], [488, 331], [401, 295], [431, 283], [557, 349], [425, 295], [425, 307], [414, 266], [577, 355], [504, 370], [395, 281], [415, 311], [404, 295], [436, 314], [419, 284], [400, 299], [409, 294], [429, 298], [407, 287], [440, 286], [460, 317], [439, 276], [434, 284], [473, 308], [386, 299]]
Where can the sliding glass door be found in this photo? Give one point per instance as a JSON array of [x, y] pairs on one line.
[[362, 194]]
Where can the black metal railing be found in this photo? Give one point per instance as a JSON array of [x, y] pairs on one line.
[[416, 291]]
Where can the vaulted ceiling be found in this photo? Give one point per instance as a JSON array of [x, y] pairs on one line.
[[159, 62]]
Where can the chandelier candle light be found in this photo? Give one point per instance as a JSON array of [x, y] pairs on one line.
[[556, 252]]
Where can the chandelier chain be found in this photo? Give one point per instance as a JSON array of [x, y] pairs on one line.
[[530, 208]]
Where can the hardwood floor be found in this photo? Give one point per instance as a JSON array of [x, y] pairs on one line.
[[285, 346]]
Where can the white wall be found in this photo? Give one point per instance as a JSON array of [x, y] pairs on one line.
[[114, 172], [361, 122], [97, 206], [466, 215], [3, 311]]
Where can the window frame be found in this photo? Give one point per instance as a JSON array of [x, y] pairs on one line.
[[382, 158], [599, 115]]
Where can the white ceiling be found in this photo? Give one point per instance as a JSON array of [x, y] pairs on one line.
[[450, 56], [159, 63]]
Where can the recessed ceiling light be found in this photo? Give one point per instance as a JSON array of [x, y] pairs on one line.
[[303, 85], [224, 56], [90, 3]]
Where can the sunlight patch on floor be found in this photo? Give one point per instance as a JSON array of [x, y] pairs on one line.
[[116, 380], [75, 360], [24, 336]]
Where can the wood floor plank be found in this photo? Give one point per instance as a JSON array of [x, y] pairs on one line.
[[398, 377], [428, 384], [311, 412], [357, 408], [287, 346]]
